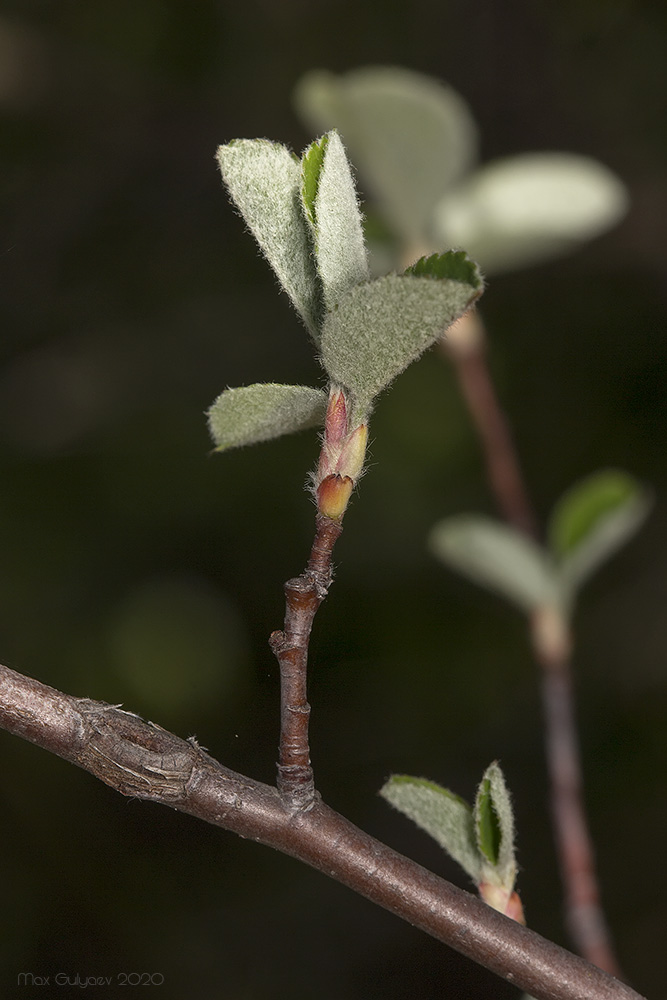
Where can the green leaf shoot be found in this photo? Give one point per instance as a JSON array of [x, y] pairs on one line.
[[498, 557], [311, 167], [487, 826], [260, 412], [494, 828], [443, 815], [264, 180]]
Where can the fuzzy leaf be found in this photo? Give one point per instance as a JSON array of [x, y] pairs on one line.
[[529, 208], [443, 815], [594, 519], [380, 327], [264, 180], [330, 204], [410, 136], [497, 557], [263, 411], [494, 827]]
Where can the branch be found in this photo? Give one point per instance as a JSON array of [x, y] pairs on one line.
[[584, 913], [142, 760], [303, 595], [465, 346], [583, 910]]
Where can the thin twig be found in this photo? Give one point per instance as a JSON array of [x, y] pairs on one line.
[[303, 596], [465, 345], [583, 910], [141, 760]]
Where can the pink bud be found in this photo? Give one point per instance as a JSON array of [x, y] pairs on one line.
[[335, 424], [335, 432]]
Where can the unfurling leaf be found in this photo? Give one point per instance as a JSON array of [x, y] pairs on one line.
[[260, 412], [264, 180], [494, 828], [594, 519], [380, 327], [440, 813], [498, 557], [330, 206]]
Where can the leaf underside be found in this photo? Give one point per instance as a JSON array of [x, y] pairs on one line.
[[330, 202], [264, 180], [443, 815], [498, 557], [260, 412]]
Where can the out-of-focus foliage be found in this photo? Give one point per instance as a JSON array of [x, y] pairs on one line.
[[510, 213]]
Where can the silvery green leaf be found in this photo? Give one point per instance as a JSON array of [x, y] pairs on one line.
[[494, 828], [330, 205], [263, 411], [594, 519], [264, 180], [525, 209], [380, 327], [498, 557], [440, 813], [410, 136]]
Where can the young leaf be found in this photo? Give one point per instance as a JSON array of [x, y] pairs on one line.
[[410, 136], [330, 205], [380, 327], [530, 208], [494, 827], [497, 557], [455, 265], [263, 411], [487, 827], [311, 167], [443, 815], [594, 519], [264, 180]]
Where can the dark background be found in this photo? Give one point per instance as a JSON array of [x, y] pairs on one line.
[[138, 569]]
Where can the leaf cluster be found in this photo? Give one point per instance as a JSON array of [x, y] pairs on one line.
[[480, 838], [304, 214]]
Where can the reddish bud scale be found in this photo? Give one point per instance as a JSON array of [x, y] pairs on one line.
[[333, 495], [500, 899], [341, 458]]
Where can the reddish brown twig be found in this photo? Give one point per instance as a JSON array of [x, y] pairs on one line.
[[141, 760], [584, 915], [466, 348], [303, 595]]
